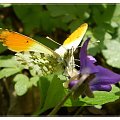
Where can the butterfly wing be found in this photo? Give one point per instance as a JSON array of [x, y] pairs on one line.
[[69, 46], [18, 43], [73, 40]]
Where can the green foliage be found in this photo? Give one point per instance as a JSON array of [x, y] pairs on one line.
[[58, 21], [22, 84], [112, 53], [6, 72], [10, 66], [51, 92], [2, 48], [73, 15], [29, 15], [100, 98], [8, 61]]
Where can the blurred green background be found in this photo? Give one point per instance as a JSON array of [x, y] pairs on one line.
[[58, 21]]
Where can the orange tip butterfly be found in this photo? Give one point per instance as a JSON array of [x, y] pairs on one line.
[[20, 43]]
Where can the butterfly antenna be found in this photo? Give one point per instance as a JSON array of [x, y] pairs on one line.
[[94, 42], [77, 65], [53, 41], [77, 60]]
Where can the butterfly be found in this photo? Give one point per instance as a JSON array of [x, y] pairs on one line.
[[47, 60]]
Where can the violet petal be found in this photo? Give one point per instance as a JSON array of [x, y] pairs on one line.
[[91, 58], [105, 76], [86, 65], [101, 88]]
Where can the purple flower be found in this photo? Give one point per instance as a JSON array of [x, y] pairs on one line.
[[103, 77]]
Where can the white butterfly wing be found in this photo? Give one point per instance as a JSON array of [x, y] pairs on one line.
[[73, 40]]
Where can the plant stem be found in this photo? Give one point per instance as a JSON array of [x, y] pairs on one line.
[[60, 104], [79, 110]]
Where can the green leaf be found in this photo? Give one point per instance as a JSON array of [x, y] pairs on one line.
[[75, 24], [68, 18], [44, 24], [43, 85], [100, 98], [54, 94], [100, 34], [6, 72], [32, 12], [72, 14], [116, 14], [22, 84], [97, 13], [111, 53], [108, 13], [59, 10], [93, 47], [118, 33], [82, 11], [2, 48], [34, 81], [96, 44], [8, 61], [104, 12]]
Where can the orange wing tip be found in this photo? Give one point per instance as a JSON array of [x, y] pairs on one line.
[[3, 34], [77, 34], [17, 42]]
